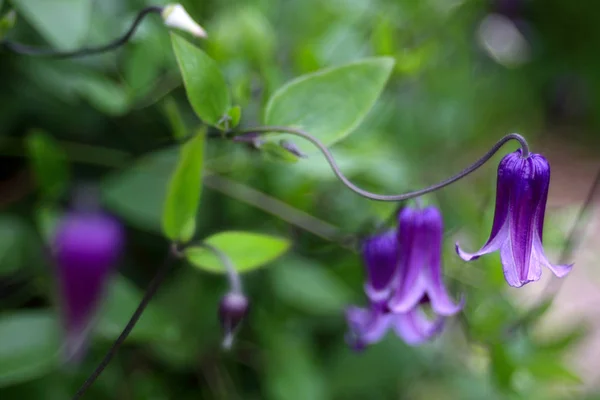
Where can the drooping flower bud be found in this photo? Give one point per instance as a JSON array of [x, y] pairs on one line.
[[86, 248], [232, 310], [175, 16], [521, 196]]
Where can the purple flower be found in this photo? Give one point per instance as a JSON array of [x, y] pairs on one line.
[[369, 326], [403, 273], [420, 239], [521, 195], [87, 246], [232, 310]]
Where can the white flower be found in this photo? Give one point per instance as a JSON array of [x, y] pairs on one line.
[[175, 16]]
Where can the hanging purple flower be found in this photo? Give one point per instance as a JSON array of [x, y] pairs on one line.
[[232, 310], [521, 195], [87, 246], [369, 326], [420, 239], [384, 258]]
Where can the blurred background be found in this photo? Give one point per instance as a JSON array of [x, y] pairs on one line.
[[467, 72]]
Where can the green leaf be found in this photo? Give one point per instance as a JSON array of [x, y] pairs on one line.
[[502, 367], [275, 152], [49, 163], [550, 368], [204, 82], [330, 103], [63, 23], [232, 119], [172, 113], [121, 301], [292, 372], [246, 250], [7, 22], [183, 195], [310, 287], [104, 94], [13, 243], [29, 345], [138, 193]]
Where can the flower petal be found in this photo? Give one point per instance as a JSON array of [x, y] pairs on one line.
[[412, 260], [560, 270], [504, 186], [380, 254], [366, 325], [441, 302], [415, 328], [509, 266]]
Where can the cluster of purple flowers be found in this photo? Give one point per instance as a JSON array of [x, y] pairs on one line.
[[403, 266]]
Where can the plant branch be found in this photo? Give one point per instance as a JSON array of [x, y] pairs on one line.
[[26, 50], [158, 279], [396, 197]]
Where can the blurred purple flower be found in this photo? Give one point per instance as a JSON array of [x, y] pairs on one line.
[[232, 310], [403, 269], [87, 246], [369, 325], [420, 238], [521, 195]]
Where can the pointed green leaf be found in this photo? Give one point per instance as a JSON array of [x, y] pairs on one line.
[[49, 163], [29, 346], [330, 103], [246, 250], [204, 83], [183, 195], [63, 23]]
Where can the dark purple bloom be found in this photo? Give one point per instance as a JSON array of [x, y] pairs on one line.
[[232, 310], [380, 257], [521, 195], [86, 248], [420, 239], [370, 325]]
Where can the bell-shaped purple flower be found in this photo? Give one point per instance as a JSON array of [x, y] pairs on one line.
[[420, 239], [369, 325], [521, 195], [86, 248]]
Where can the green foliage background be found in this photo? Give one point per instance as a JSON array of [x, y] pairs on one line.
[[115, 118]]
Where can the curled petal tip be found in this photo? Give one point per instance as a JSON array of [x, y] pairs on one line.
[[464, 255]]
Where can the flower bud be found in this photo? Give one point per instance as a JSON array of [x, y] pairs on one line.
[[232, 310], [86, 248], [175, 16]]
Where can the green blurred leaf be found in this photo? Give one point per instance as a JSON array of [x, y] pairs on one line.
[[502, 367], [275, 152], [292, 373], [13, 241], [121, 301], [7, 22], [138, 192], [204, 82], [246, 250], [309, 286], [29, 346], [49, 163], [102, 93], [550, 368], [234, 114], [172, 113], [183, 195], [330, 103], [63, 23]]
